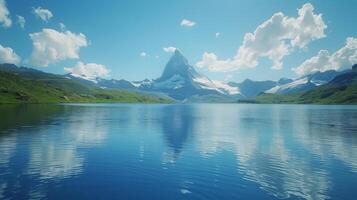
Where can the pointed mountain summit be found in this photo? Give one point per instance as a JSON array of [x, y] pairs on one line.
[[181, 81], [178, 65]]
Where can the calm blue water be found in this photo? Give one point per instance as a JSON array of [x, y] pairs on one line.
[[202, 151]]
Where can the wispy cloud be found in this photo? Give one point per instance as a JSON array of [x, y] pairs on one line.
[[187, 23], [43, 13], [169, 49], [21, 21], [62, 26]]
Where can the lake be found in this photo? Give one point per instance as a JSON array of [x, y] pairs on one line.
[[193, 151]]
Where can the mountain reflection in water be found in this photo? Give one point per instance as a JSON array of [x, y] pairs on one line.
[[198, 151]]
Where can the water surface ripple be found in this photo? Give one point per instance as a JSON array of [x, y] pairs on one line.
[[198, 151]]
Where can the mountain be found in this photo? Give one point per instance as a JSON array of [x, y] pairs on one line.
[[101, 82], [345, 79], [250, 88], [283, 81], [342, 89], [304, 83], [179, 81], [28, 73], [354, 67], [117, 84], [26, 85]]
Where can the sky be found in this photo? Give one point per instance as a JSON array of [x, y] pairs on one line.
[[227, 40]]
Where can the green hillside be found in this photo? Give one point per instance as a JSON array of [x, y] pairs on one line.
[[341, 90], [41, 87], [337, 95]]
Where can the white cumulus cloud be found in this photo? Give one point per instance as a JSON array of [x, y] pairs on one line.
[[7, 55], [21, 21], [143, 54], [343, 58], [274, 39], [217, 34], [211, 62], [187, 23], [43, 13], [4, 15], [89, 70], [50, 46], [169, 49]]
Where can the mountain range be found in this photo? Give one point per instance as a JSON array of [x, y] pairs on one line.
[[182, 82], [178, 82], [342, 89], [27, 85]]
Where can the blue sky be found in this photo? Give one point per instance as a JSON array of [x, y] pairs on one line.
[[117, 32]]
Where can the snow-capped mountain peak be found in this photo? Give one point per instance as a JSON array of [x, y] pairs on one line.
[[177, 65], [180, 76]]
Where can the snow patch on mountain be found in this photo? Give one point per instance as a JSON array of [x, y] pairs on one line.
[[305, 83], [227, 88], [288, 86], [205, 83], [84, 77], [218, 86], [143, 84]]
